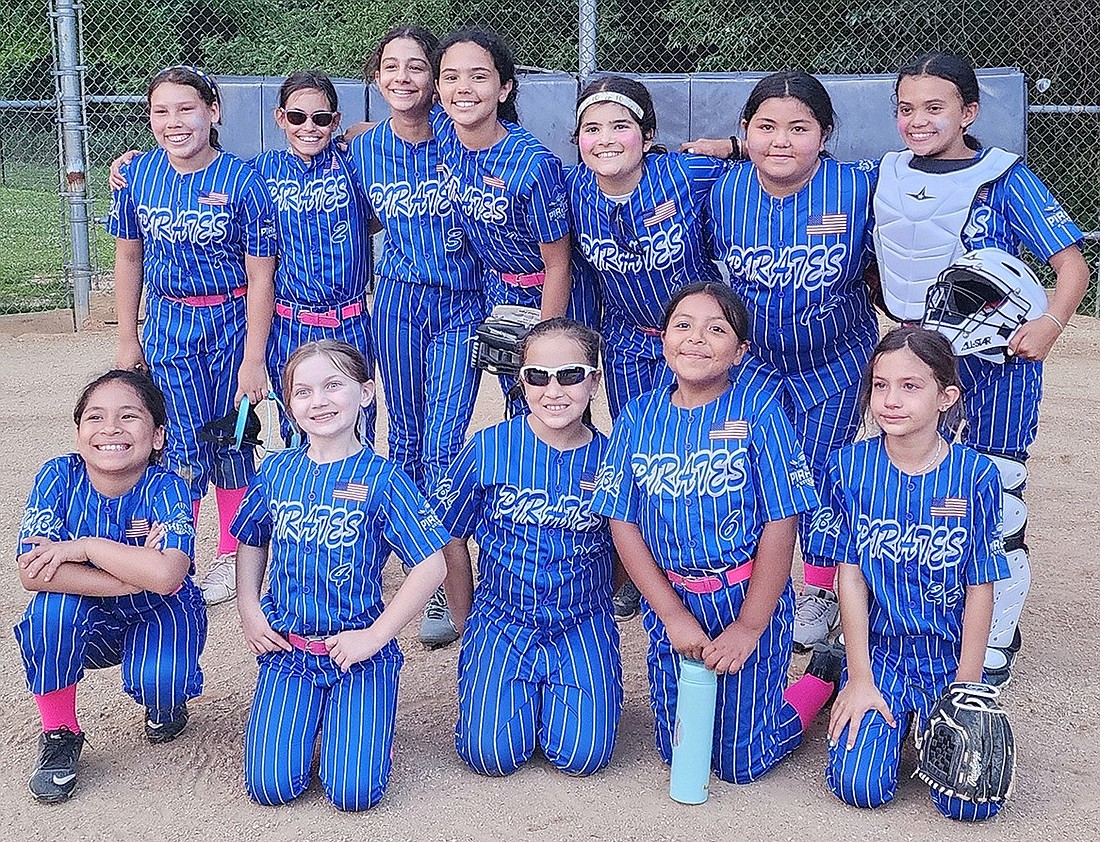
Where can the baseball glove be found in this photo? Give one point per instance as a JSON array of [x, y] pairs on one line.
[[222, 432], [966, 748], [499, 343]]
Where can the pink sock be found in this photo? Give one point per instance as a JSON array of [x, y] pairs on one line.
[[58, 709], [818, 577], [195, 510], [229, 500], [808, 696]]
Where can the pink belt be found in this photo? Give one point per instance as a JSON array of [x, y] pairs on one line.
[[535, 279], [312, 645], [710, 584], [209, 300], [329, 318]]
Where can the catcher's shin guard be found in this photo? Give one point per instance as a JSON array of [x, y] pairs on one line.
[[1009, 594]]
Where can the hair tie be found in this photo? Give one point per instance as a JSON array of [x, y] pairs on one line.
[[610, 96], [202, 74]]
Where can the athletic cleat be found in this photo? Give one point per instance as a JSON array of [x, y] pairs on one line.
[[161, 729], [220, 584], [55, 778], [437, 629], [816, 613], [626, 603], [827, 664]]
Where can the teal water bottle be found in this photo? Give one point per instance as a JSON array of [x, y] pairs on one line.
[[693, 735]]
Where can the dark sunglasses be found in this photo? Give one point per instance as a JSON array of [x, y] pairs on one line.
[[319, 118], [566, 375]]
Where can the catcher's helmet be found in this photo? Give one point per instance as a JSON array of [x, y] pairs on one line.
[[981, 299]]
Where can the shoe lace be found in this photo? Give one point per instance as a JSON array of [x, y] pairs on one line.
[[223, 569], [61, 749], [436, 607]]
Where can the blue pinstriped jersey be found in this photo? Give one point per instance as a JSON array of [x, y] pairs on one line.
[[798, 264], [646, 248], [330, 528], [64, 505], [1018, 209], [918, 540], [404, 183], [195, 228], [701, 483], [544, 557], [321, 224], [510, 197]]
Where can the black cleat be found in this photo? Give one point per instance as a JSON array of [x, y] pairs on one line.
[[55, 778], [827, 664], [626, 603], [160, 730]]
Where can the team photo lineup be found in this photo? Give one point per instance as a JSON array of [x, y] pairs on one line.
[[725, 297]]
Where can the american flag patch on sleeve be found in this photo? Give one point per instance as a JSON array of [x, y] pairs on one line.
[[351, 491], [827, 223], [949, 507], [138, 528], [663, 211], [493, 181], [729, 430], [209, 197], [588, 481]]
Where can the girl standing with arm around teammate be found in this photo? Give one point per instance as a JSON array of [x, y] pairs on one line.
[[194, 227], [321, 220], [507, 186], [704, 482], [328, 513], [540, 651], [945, 196], [106, 543], [792, 226], [915, 524], [429, 300]]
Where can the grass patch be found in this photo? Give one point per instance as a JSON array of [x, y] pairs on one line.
[[32, 275]]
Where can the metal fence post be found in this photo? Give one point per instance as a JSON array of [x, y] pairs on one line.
[[68, 90], [586, 39]]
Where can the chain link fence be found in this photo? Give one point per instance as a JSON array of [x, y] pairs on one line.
[[125, 41]]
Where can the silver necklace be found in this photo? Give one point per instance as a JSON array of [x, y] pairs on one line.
[[931, 462]]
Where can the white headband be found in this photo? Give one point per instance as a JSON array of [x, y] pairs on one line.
[[610, 96]]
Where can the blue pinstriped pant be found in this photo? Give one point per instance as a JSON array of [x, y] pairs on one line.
[[299, 694], [423, 339], [194, 354], [288, 334], [754, 727], [1001, 404], [634, 363], [820, 430], [911, 673], [157, 640], [520, 688]]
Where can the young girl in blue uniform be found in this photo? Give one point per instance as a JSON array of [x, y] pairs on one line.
[[792, 225], [321, 220], [540, 652], [704, 482], [106, 543], [194, 227], [637, 219], [984, 198], [507, 187], [915, 525], [429, 299], [329, 513]]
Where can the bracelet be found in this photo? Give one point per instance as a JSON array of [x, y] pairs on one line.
[[735, 148], [1054, 319]]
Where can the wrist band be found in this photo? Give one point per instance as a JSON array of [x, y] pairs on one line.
[[735, 149], [1054, 319]]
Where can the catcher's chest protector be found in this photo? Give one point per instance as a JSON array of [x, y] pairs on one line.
[[919, 219]]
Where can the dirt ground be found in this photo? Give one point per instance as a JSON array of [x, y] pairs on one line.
[[191, 789]]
